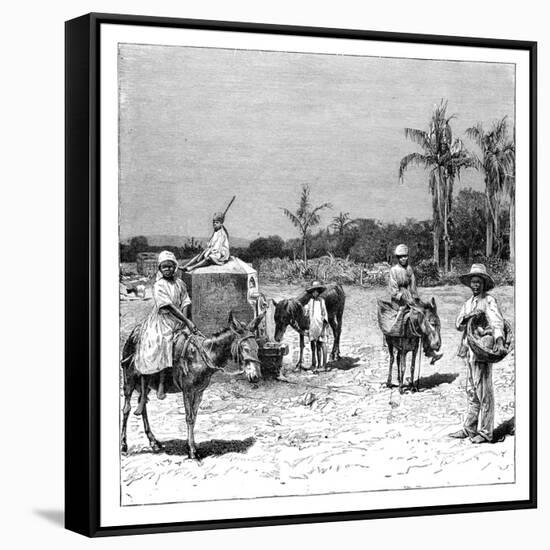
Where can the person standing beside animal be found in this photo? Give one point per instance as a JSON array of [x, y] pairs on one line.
[[154, 353], [479, 421], [404, 294], [217, 249], [316, 310]]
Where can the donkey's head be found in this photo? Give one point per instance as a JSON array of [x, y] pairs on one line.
[[431, 325], [288, 312], [244, 348]]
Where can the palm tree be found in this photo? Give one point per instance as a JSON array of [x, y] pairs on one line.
[[497, 165], [341, 222], [305, 217], [445, 158]]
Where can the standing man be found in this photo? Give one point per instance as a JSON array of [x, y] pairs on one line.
[[480, 417], [404, 294]]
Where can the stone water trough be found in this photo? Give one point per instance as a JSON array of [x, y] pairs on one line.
[[217, 290]]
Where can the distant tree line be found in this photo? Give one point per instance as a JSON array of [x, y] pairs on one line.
[[366, 240], [371, 241], [130, 250]]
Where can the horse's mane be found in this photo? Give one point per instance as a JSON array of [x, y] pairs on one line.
[[294, 308]]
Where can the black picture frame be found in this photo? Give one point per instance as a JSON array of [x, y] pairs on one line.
[[82, 272]]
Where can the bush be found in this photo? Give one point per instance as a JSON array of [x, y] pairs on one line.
[[427, 273], [502, 271]]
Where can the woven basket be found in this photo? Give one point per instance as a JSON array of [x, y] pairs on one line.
[[481, 351]]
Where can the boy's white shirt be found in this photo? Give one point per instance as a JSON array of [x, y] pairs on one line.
[[317, 315]]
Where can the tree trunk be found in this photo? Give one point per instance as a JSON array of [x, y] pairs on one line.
[[446, 226], [512, 229], [489, 237], [437, 236], [304, 249], [497, 236]]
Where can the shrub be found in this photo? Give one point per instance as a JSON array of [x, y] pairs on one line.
[[427, 273]]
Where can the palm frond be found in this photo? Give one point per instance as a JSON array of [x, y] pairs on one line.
[[419, 137], [296, 221], [413, 159]]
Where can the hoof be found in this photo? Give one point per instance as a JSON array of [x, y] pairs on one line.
[[124, 448], [156, 447], [389, 385]]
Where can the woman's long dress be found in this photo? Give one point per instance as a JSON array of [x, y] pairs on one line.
[[154, 350]]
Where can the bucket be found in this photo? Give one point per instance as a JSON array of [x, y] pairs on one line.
[[271, 358]]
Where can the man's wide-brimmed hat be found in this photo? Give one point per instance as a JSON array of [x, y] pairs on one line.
[[478, 270], [401, 250], [316, 286]]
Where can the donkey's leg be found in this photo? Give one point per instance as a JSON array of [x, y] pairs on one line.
[[333, 322], [413, 385], [338, 333], [390, 351], [128, 391], [191, 400], [400, 368], [197, 398], [299, 364], [143, 392], [155, 445]]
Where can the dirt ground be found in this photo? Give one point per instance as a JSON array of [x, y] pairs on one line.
[[338, 431]]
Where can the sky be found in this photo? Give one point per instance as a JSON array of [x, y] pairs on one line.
[[199, 125]]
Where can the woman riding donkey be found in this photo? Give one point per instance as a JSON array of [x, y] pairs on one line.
[[404, 295], [154, 353]]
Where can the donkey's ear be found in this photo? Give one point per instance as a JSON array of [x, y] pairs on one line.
[[233, 323], [434, 305], [253, 325], [273, 302]]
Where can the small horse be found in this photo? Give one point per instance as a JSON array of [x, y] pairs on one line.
[[191, 375], [291, 312], [423, 324]]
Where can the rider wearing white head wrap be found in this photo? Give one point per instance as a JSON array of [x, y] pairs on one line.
[[165, 256], [401, 250], [154, 352], [402, 283]]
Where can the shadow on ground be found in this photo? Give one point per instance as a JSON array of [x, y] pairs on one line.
[[344, 363], [508, 427], [214, 447], [428, 382]]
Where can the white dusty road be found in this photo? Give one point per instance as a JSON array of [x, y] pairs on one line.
[[350, 433]]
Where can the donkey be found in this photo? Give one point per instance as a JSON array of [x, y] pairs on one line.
[[423, 324], [290, 311], [191, 374]]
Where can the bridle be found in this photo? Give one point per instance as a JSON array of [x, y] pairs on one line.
[[237, 352]]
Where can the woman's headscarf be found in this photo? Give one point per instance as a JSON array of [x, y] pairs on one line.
[[166, 256]]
